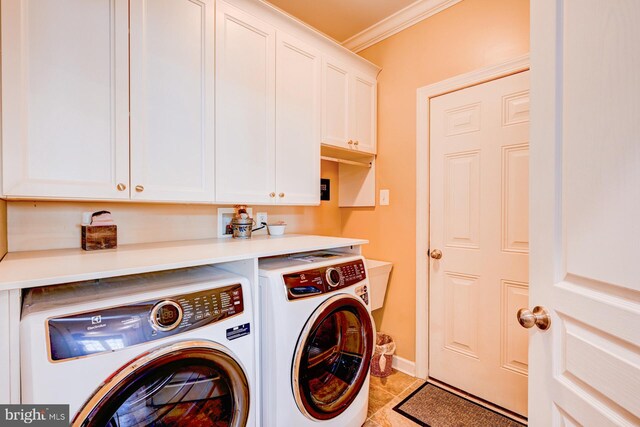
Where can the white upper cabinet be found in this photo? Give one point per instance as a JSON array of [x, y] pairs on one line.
[[91, 113], [245, 108], [65, 99], [298, 118], [335, 105], [172, 97], [363, 105], [199, 101], [267, 122], [348, 108]]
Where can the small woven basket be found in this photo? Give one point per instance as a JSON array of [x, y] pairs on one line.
[[383, 355]]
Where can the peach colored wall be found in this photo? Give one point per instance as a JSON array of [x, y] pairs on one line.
[[3, 228], [470, 35], [35, 225]]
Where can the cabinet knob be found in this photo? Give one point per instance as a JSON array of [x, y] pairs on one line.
[[350, 142], [121, 187], [356, 142], [281, 194], [272, 194], [139, 188]]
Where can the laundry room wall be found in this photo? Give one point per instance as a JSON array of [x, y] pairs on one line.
[[469, 35], [40, 225]]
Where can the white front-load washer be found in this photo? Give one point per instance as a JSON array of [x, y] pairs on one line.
[[317, 340], [173, 348]]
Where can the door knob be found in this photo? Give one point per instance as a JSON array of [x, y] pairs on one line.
[[139, 188], [356, 142], [272, 195], [121, 187], [281, 194], [350, 142], [436, 254], [540, 317]]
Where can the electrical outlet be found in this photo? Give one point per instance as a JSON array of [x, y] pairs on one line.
[[260, 218], [384, 197]]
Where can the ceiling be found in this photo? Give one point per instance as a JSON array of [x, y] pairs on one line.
[[341, 19]]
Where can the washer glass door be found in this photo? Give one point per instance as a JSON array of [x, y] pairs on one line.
[[189, 383], [332, 357]]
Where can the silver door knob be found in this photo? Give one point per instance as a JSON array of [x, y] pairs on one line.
[[539, 317], [436, 254]]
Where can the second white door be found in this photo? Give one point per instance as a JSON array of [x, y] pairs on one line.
[[479, 224]]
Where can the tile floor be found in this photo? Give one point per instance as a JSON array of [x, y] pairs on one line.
[[384, 394]]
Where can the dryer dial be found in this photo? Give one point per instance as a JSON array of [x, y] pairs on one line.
[[334, 277]]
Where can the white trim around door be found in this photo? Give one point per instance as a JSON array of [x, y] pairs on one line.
[[423, 95]]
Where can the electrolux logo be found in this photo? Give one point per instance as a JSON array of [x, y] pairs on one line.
[[34, 415]]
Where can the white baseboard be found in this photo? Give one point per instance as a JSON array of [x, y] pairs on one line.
[[403, 365]]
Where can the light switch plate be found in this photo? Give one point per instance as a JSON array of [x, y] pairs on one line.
[[384, 197]]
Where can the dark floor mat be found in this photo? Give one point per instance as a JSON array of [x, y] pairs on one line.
[[432, 406]]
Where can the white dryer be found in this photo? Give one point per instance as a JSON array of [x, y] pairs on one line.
[[162, 349], [317, 340]]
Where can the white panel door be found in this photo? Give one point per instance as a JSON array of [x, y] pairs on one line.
[[65, 100], [585, 199], [335, 104], [297, 122], [245, 108], [479, 221], [363, 117], [172, 140]]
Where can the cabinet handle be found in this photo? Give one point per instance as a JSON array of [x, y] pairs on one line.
[[272, 194], [350, 142], [281, 194], [356, 142], [121, 187], [139, 188]]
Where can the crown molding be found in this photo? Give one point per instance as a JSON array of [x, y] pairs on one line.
[[402, 19]]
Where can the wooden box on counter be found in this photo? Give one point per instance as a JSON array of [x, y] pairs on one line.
[[99, 237]]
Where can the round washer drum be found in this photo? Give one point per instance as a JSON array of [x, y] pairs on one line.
[[193, 383], [332, 357]]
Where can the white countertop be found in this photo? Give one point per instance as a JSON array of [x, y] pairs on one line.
[[41, 268]]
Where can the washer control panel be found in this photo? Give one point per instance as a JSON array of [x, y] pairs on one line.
[[307, 283], [115, 328]]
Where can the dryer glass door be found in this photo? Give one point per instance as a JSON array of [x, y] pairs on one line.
[[332, 357], [189, 383]]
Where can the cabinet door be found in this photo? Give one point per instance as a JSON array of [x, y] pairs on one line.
[[65, 100], [245, 108], [297, 122], [335, 104], [363, 123], [172, 140]]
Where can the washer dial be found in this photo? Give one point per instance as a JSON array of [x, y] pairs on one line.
[[166, 315]]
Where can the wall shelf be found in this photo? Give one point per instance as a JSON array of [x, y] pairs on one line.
[[356, 176]]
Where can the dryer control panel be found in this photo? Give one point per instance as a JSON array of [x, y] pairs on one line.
[[115, 328], [316, 281]]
